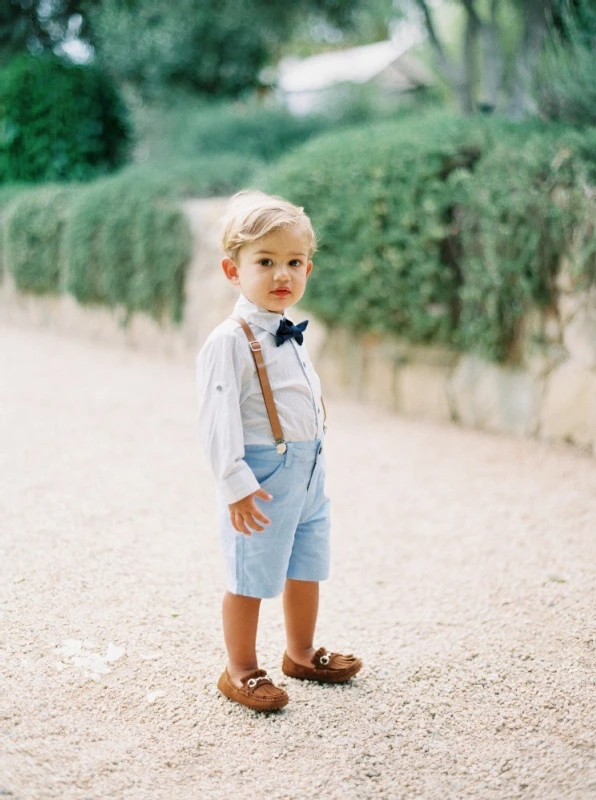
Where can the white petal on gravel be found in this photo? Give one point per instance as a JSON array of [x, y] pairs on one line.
[[152, 696], [70, 647], [113, 653], [91, 661]]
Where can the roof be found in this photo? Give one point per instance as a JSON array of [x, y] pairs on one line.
[[355, 64]]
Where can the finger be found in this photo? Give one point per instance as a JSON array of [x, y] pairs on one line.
[[263, 495], [250, 521], [258, 514], [240, 526]]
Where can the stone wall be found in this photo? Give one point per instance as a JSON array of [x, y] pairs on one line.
[[550, 395]]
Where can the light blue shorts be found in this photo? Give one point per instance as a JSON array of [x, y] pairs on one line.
[[296, 543]]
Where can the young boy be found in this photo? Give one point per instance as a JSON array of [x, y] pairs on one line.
[[262, 423]]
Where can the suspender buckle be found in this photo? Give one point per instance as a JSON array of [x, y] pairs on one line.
[[255, 346], [281, 446]]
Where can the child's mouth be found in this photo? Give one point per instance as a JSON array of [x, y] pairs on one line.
[[281, 292]]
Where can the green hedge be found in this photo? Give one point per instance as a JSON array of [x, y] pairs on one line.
[[257, 130], [33, 233], [440, 229], [204, 176], [120, 241], [127, 243], [517, 214], [8, 193]]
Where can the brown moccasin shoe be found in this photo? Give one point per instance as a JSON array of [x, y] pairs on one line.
[[326, 667], [257, 691]]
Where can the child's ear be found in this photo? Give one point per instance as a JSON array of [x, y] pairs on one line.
[[309, 267], [230, 270]]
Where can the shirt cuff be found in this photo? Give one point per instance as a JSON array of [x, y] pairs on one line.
[[239, 484]]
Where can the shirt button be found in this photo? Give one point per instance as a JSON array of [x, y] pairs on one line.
[[318, 410], [304, 363]]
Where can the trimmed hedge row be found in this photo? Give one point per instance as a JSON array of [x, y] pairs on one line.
[[439, 229], [120, 241], [33, 234]]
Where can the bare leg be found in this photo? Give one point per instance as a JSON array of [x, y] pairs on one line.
[[301, 607], [240, 621]]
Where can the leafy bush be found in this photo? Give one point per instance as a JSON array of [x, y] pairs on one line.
[[517, 212], [127, 243], [189, 128], [439, 229], [263, 131], [381, 206], [120, 241], [8, 193], [59, 121], [33, 233], [205, 176]]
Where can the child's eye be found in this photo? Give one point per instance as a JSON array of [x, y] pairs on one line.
[[295, 262], [265, 262]]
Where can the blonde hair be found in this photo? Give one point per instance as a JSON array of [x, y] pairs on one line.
[[251, 215]]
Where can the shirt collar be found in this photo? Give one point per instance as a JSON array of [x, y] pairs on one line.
[[267, 320]]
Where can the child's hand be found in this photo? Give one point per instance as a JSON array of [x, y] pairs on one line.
[[245, 513]]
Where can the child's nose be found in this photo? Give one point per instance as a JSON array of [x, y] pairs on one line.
[[282, 272]]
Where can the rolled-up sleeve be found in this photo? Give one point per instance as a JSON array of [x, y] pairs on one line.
[[219, 368]]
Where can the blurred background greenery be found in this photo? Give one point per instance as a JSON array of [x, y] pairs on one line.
[[442, 148]]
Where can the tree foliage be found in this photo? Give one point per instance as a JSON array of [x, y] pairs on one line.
[[38, 26], [565, 82], [59, 121], [212, 47], [484, 74]]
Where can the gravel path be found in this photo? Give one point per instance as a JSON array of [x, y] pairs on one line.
[[464, 575]]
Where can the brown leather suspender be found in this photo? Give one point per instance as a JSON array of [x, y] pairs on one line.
[[257, 354]]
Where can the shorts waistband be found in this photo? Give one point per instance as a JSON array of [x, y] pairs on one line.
[[303, 451]]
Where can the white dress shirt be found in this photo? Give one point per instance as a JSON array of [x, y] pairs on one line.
[[232, 411]]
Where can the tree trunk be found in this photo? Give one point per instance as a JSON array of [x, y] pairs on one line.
[[535, 21], [452, 72], [470, 80], [492, 59]]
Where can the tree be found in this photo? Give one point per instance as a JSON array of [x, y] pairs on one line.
[[212, 47], [60, 121], [481, 77], [38, 26], [565, 82]]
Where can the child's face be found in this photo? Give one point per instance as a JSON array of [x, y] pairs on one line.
[[272, 271]]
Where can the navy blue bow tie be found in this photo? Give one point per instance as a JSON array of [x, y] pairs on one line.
[[287, 330]]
